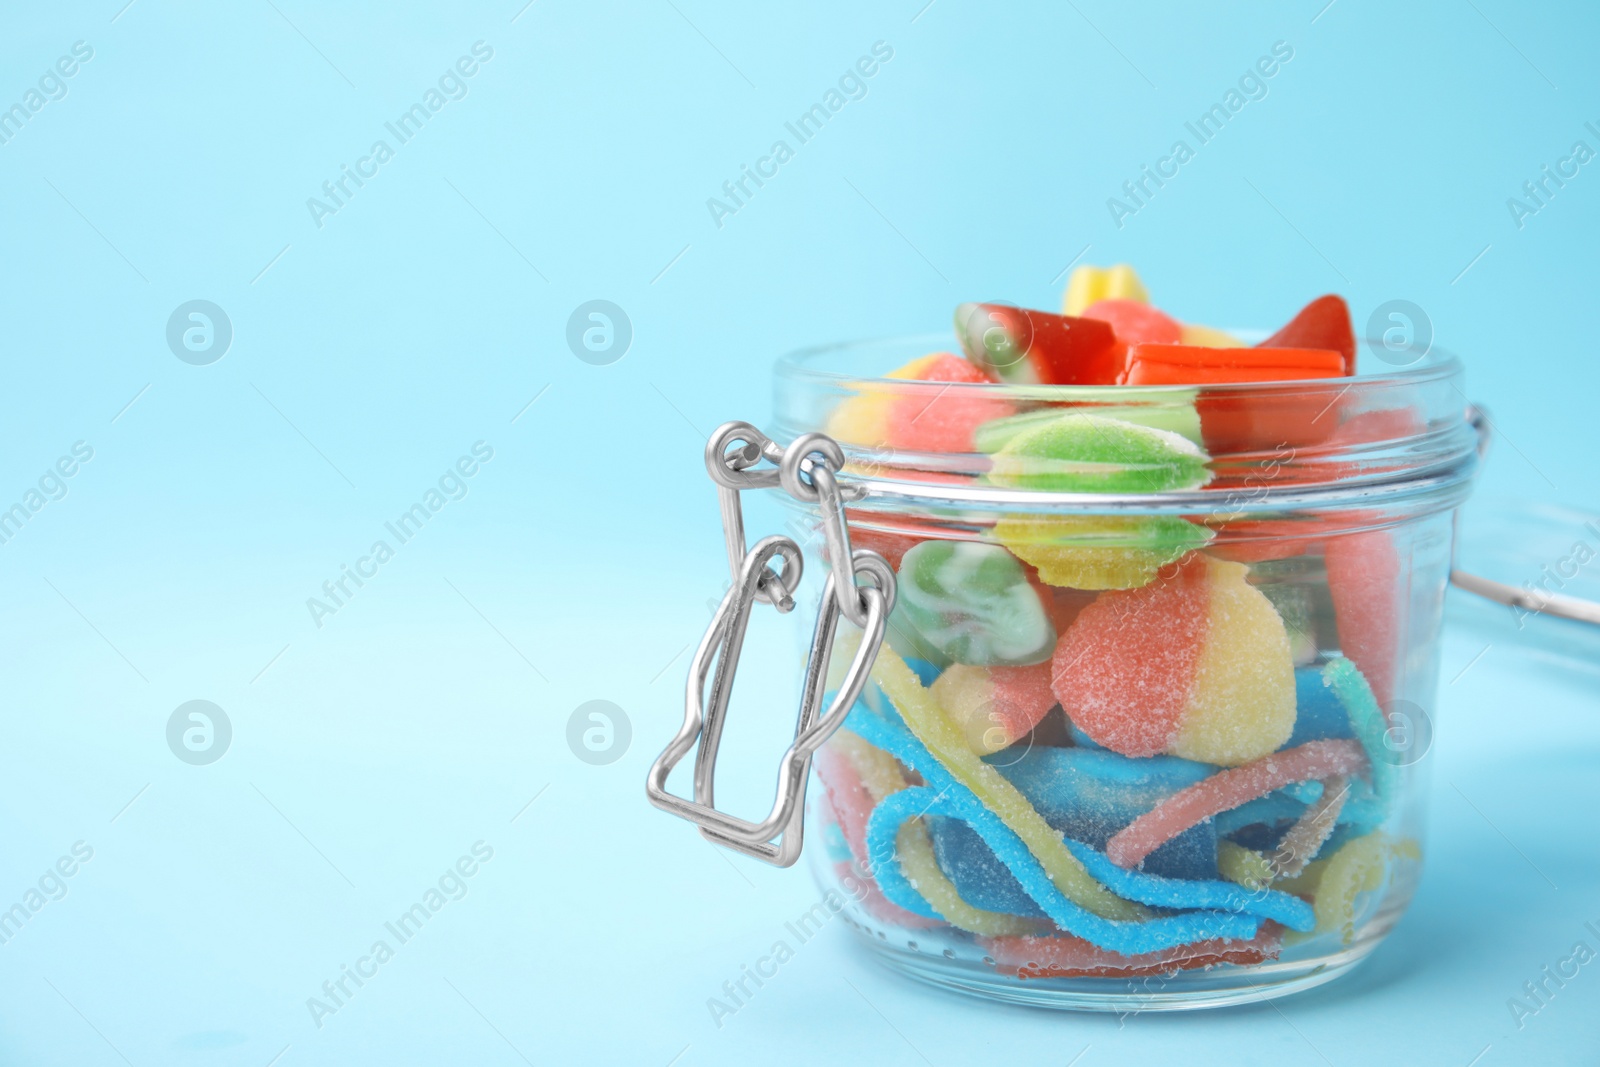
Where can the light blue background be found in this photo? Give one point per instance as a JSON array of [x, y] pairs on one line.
[[370, 353]]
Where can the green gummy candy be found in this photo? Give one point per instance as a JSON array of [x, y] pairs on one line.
[[1181, 419], [963, 602], [1093, 454]]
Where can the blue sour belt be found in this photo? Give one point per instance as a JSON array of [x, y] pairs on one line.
[[1224, 910]]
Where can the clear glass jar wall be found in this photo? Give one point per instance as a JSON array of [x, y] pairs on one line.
[[1127, 746]]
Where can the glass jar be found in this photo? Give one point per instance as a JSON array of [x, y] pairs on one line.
[[1147, 729]]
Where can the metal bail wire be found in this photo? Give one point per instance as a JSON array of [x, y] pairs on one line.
[[805, 470]]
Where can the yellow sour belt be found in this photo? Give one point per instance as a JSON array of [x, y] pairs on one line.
[[1333, 883]]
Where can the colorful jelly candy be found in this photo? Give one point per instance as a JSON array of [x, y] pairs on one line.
[[1213, 909], [1091, 794], [924, 886], [1089, 285], [965, 602], [979, 875], [1023, 347], [1196, 664], [1367, 722], [1364, 582], [1162, 411], [1359, 867], [1319, 713], [994, 706], [1073, 957], [1135, 322], [851, 802], [1323, 323], [1075, 453], [1099, 552], [930, 420], [946, 743], [941, 419], [1109, 740], [1230, 788], [1187, 364], [862, 418]]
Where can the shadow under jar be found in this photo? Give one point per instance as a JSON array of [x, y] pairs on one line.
[[1148, 729]]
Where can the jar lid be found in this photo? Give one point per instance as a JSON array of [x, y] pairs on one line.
[[1535, 570]]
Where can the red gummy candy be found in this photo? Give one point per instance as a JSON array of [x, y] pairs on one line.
[[1124, 670], [1243, 423], [940, 420], [1135, 322], [1065, 956], [1174, 364], [1364, 571], [1323, 323], [1029, 347]]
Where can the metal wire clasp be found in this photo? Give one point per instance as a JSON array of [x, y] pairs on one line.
[[805, 470]]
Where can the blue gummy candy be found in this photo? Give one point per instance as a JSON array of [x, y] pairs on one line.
[[1318, 713], [1091, 794], [944, 795]]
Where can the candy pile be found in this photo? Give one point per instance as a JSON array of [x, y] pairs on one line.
[[1124, 743]]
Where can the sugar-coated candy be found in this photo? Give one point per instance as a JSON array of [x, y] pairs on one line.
[[1089, 285], [1323, 323], [851, 796], [1367, 722], [1142, 933], [1208, 336], [1099, 551], [862, 419], [1135, 322], [1090, 794], [1319, 713], [1072, 957], [1076, 453], [1230, 788], [1368, 605], [979, 876], [943, 419], [1246, 866], [1124, 670], [1160, 412], [967, 602], [1242, 702], [1026, 347], [994, 706], [1196, 664], [946, 744], [1308, 834], [1186, 364], [1148, 934], [1358, 867], [917, 883]]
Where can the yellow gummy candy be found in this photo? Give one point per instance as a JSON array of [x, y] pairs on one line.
[[1209, 337], [948, 745], [1358, 867], [880, 775], [1089, 285], [1242, 704], [1140, 546], [863, 419], [964, 692], [1245, 866]]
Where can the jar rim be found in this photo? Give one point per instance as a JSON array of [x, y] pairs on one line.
[[1417, 451]]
